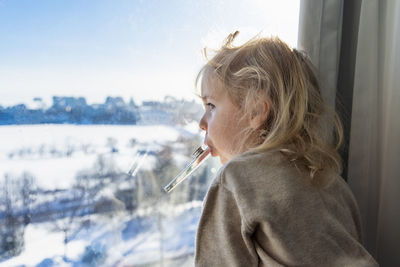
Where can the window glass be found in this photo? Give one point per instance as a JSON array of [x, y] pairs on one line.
[[98, 113]]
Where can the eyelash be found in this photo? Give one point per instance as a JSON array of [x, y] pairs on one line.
[[212, 106]]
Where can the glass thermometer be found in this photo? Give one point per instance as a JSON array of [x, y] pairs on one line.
[[200, 155]]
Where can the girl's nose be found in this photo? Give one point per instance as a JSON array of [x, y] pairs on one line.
[[203, 123]]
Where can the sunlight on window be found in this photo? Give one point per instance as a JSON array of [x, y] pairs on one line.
[[98, 113]]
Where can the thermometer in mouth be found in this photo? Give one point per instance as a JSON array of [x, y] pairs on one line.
[[200, 155]]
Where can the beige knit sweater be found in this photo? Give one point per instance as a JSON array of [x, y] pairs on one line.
[[261, 211]]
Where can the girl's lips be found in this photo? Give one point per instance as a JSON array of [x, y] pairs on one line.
[[210, 147], [211, 151]]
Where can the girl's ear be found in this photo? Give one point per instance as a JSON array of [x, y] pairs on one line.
[[259, 115]]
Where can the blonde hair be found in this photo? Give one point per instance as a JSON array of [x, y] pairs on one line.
[[299, 123]]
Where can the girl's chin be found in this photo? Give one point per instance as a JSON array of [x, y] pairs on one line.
[[214, 153]]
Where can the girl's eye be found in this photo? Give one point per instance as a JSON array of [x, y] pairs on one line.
[[210, 105]]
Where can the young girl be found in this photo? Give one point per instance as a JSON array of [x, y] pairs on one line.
[[278, 200]]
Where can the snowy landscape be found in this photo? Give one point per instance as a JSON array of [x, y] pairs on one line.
[[97, 115], [66, 198]]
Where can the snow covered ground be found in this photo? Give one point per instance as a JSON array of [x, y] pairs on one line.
[[43, 149], [118, 241], [54, 154]]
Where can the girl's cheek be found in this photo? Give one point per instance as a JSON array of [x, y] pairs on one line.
[[210, 125]]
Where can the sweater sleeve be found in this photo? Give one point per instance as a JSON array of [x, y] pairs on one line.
[[222, 238]]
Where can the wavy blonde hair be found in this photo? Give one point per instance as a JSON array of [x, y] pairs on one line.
[[299, 123]]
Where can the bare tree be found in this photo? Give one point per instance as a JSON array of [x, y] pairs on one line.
[[27, 189], [112, 144], [11, 228], [66, 213]]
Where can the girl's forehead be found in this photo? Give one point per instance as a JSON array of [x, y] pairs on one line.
[[211, 87]]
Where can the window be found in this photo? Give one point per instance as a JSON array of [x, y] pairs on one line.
[[92, 89]]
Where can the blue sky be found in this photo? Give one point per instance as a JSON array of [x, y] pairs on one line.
[[142, 49]]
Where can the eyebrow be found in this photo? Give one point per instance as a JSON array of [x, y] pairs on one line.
[[206, 97]]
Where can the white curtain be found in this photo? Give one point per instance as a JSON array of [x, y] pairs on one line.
[[374, 159], [374, 151], [320, 36]]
